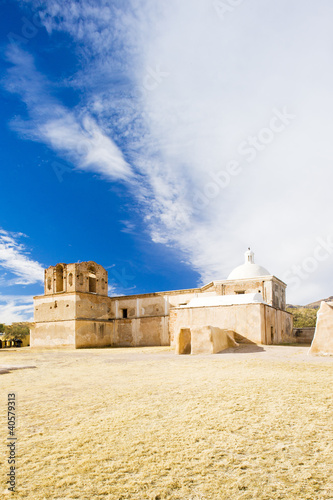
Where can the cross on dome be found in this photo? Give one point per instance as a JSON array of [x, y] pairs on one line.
[[249, 256]]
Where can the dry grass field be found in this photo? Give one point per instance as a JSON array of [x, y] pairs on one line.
[[146, 424]]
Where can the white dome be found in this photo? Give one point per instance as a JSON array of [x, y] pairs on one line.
[[249, 269]]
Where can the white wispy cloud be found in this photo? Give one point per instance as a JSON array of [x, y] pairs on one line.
[[15, 308], [15, 259], [190, 90], [76, 135]]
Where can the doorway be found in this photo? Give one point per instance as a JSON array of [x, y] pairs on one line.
[[185, 341]]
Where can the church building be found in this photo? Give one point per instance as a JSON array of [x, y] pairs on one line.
[[76, 311]]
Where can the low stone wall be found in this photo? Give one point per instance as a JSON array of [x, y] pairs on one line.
[[303, 335]]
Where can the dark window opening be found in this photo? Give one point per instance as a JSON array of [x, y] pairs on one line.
[[92, 284], [124, 313], [59, 278]]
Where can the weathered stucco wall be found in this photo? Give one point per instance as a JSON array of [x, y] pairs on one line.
[[93, 333], [211, 340], [138, 306], [59, 307], [272, 289], [303, 335], [151, 331], [246, 320], [255, 322], [142, 306], [279, 326], [91, 306], [53, 334], [95, 320], [323, 338]]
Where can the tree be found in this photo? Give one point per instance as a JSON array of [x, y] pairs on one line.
[[16, 331]]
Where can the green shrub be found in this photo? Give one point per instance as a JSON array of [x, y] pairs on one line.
[[303, 316]]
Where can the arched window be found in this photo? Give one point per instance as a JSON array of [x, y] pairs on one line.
[[59, 278]]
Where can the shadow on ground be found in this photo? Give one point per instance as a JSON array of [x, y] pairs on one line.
[[8, 369], [243, 349]]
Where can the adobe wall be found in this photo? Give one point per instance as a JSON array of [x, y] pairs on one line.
[[53, 334], [55, 307], [245, 320], [303, 335], [210, 340], [138, 306], [95, 320], [93, 333], [150, 331], [148, 305], [322, 342], [278, 326], [91, 306], [71, 305], [257, 323], [272, 289]]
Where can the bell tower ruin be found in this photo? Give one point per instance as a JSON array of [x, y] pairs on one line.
[[86, 277], [75, 308]]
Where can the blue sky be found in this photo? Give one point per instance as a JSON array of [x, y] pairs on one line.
[[161, 139]]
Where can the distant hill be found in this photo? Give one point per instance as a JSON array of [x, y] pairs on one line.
[[316, 305], [313, 305], [306, 316]]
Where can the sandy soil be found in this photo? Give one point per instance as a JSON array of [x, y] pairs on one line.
[[251, 423]]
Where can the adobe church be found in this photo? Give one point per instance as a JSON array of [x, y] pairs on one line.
[[76, 311]]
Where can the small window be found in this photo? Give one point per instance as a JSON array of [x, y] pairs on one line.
[[92, 284], [49, 283], [124, 313], [59, 278], [240, 292], [70, 279]]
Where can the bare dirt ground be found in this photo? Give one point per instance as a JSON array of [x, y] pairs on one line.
[[255, 423]]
